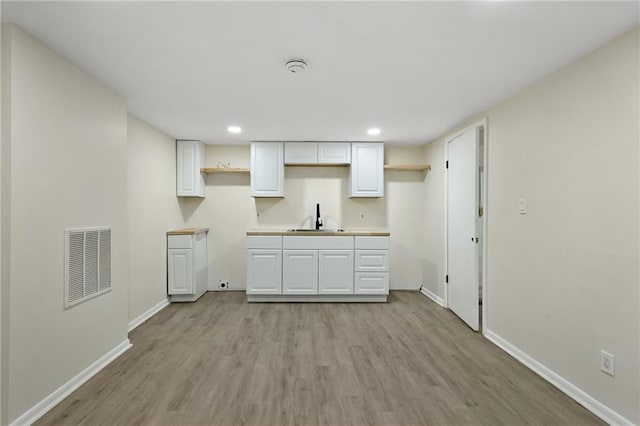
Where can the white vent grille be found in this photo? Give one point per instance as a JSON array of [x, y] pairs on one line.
[[87, 264]]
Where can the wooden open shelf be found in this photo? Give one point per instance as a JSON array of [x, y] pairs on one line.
[[208, 170], [408, 167]]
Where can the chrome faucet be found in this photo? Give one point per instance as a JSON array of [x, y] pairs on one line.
[[318, 219]]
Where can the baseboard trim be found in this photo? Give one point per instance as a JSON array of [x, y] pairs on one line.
[[432, 296], [577, 394], [42, 407], [148, 314]]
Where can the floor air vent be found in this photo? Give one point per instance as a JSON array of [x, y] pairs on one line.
[[87, 270]]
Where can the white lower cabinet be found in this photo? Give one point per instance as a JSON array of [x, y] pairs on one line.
[[264, 272], [335, 272], [187, 266], [372, 265], [299, 272], [317, 268], [180, 271], [264, 265]]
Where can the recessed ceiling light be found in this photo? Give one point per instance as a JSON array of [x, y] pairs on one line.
[[373, 131], [234, 129]]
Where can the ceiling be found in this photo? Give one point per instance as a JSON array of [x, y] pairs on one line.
[[413, 69]]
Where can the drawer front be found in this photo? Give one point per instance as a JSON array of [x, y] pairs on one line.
[[264, 242], [371, 283], [372, 260], [317, 243], [372, 243], [180, 241]]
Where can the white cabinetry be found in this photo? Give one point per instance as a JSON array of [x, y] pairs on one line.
[[367, 170], [317, 268], [335, 272], [190, 159], [300, 153], [334, 153], [264, 265], [187, 266], [267, 169], [327, 153], [299, 272], [371, 265]]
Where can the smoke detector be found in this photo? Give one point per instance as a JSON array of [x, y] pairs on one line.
[[295, 65]]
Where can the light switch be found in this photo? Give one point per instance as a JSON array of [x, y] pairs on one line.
[[522, 206]]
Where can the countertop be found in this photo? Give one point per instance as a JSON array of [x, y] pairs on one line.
[[187, 231], [356, 233]]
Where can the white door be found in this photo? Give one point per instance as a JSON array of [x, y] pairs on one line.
[[300, 272], [335, 273], [180, 265], [462, 247], [264, 271]]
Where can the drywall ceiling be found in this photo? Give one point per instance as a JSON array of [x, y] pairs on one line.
[[414, 69]]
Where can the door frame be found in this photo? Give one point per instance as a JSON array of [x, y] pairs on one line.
[[485, 185]]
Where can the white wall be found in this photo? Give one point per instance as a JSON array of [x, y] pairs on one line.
[[153, 210], [563, 280], [68, 147], [5, 84], [229, 211], [433, 255]]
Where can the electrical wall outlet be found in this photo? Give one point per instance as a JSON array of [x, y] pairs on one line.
[[223, 285], [607, 363]]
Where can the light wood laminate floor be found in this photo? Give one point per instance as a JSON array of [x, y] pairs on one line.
[[222, 361]]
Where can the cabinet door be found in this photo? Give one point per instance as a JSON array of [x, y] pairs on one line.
[[267, 169], [335, 272], [367, 170], [300, 153], [300, 272], [180, 271], [190, 159], [264, 271], [334, 153], [371, 283]]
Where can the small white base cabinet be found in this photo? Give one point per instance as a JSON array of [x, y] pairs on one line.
[[187, 264], [322, 268]]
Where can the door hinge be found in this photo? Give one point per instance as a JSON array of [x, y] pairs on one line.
[[446, 279], [446, 164]]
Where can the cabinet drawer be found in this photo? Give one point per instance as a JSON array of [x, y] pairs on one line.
[[372, 260], [179, 241], [371, 283], [372, 243], [264, 242], [318, 243]]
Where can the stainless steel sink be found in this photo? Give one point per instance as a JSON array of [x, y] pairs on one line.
[[313, 230]]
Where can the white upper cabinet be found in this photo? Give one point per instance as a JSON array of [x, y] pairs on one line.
[[367, 170], [317, 153], [267, 169], [334, 153], [190, 159], [300, 153]]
